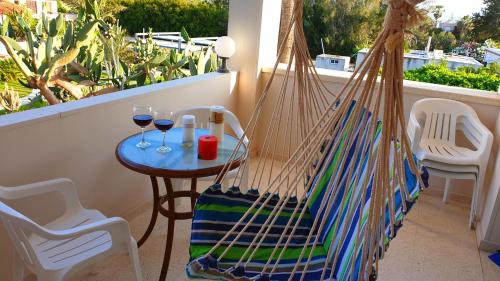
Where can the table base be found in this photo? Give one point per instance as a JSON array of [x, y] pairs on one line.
[[170, 213]]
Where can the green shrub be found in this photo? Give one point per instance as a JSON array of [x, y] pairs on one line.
[[9, 71], [485, 78], [200, 18]]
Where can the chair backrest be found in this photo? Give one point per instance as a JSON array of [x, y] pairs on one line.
[[202, 114], [18, 228], [441, 118]]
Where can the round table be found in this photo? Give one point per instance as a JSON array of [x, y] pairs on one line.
[[181, 162]]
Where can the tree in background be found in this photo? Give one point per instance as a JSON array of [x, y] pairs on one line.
[[436, 12], [464, 31], [344, 25], [443, 40], [487, 23], [108, 8], [200, 18], [418, 35]]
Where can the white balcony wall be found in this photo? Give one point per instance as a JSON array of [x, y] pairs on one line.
[[78, 140]]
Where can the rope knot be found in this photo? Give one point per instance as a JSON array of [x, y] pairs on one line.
[[400, 15]]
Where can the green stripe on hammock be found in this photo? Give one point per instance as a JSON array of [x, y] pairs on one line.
[[242, 210], [262, 254]]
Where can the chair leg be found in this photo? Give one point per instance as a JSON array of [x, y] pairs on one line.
[[17, 268], [134, 259], [473, 205], [446, 190]]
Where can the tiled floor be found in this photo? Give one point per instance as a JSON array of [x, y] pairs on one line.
[[434, 244]]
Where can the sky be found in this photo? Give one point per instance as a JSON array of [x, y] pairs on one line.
[[458, 8]]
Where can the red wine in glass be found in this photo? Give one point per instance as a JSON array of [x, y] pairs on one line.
[[143, 120], [142, 117], [163, 122]]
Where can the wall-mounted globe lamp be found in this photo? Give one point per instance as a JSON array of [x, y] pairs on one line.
[[225, 48]]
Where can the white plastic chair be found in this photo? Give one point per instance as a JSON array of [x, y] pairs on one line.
[[432, 130], [202, 114], [77, 240]]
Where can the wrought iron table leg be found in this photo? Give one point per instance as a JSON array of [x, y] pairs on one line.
[[154, 214], [171, 226], [193, 193]]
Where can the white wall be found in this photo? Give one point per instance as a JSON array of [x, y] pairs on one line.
[[254, 26], [78, 139], [488, 231]]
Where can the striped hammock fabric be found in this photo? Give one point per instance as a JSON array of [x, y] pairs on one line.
[[345, 179], [216, 212]]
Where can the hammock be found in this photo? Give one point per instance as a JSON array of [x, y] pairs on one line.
[[334, 177]]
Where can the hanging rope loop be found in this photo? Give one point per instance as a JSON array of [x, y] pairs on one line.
[[401, 15]]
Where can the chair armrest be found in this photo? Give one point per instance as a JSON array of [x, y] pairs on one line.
[[63, 186], [414, 131], [117, 227], [486, 137]]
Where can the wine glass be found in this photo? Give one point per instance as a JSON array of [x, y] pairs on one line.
[[142, 117], [163, 121]]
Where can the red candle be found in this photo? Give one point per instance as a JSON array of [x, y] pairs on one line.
[[207, 147]]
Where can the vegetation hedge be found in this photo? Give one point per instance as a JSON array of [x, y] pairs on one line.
[[200, 18], [484, 78]]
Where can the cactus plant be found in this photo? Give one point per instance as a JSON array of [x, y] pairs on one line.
[[116, 48], [204, 62], [200, 62], [149, 58], [50, 48], [9, 99], [172, 67]]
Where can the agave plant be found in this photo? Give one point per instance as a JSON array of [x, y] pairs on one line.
[[9, 99], [51, 47]]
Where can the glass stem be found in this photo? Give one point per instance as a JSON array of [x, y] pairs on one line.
[[164, 134], [142, 129]]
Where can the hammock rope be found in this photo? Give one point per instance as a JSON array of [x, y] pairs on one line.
[[333, 161]]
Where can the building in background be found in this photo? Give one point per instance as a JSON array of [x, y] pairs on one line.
[[333, 62], [448, 26], [416, 59], [492, 55], [38, 7]]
